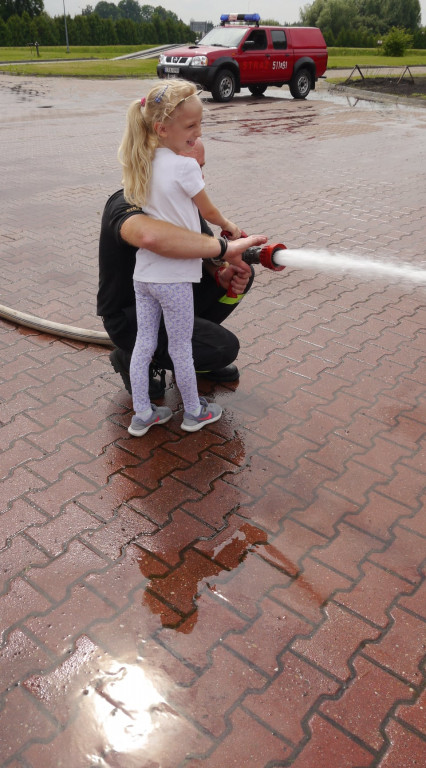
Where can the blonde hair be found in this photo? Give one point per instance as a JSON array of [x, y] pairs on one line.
[[140, 138]]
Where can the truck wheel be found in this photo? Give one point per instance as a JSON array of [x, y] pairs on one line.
[[257, 90], [224, 86], [300, 84]]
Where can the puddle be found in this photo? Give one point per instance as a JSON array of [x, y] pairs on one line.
[[276, 124], [23, 92]]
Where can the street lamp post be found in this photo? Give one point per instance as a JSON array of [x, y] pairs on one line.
[[66, 30]]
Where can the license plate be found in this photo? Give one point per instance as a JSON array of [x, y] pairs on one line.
[[172, 70]]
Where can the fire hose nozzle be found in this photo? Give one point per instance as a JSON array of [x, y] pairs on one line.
[[259, 254], [264, 255]]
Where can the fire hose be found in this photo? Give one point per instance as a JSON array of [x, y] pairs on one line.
[[257, 254], [56, 329]]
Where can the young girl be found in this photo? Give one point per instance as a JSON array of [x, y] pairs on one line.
[[170, 187]]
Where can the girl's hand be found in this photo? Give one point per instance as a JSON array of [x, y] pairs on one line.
[[232, 231]]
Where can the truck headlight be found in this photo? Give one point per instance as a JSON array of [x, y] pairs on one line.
[[162, 59], [199, 61]]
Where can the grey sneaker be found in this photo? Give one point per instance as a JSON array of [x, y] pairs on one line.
[[160, 414], [210, 412]]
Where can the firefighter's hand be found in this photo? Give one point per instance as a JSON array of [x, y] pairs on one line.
[[237, 247], [235, 276]]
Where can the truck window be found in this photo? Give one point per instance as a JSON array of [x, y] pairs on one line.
[[278, 39], [258, 37]]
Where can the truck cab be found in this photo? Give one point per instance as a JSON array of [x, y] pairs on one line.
[[240, 53]]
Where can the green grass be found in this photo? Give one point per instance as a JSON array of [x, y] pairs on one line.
[[48, 53], [102, 68], [99, 61], [345, 58], [81, 61]]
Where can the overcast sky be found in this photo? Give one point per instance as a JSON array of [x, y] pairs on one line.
[[207, 10]]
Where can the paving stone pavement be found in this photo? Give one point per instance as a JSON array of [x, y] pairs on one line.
[[252, 595]]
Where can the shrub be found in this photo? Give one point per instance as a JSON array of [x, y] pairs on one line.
[[396, 42]]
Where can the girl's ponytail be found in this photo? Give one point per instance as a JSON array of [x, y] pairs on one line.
[[136, 153]]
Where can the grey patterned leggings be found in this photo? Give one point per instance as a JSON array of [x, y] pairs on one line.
[[175, 301]]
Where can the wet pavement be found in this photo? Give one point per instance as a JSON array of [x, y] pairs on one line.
[[250, 595]]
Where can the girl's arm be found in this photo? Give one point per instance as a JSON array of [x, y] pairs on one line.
[[213, 215]]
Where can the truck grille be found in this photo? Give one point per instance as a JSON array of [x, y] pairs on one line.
[[178, 60]]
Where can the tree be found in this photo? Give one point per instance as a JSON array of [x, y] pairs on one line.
[[46, 30], [344, 17], [310, 13], [96, 27], [405, 14], [148, 34], [371, 15], [109, 33], [147, 13], [130, 9], [16, 31], [80, 31], [370, 7], [127, 32], [91, 27], [419, 38], [332, 16], [10, 8], [4, 40], [163, 14], [106, 10], [160, 29]]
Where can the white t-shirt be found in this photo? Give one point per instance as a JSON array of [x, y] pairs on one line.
[[175, 180]]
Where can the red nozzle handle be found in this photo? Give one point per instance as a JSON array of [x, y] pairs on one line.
[[230, 293]]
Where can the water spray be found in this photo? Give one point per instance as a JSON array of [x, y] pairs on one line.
[[274, 257], [344, 263]]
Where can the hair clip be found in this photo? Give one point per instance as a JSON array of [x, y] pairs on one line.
[[143, 101], [160, 95], [181, 101]]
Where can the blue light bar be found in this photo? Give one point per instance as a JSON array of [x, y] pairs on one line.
[[228, 17]]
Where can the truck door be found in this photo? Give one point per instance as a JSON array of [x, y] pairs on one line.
[[254, 59], [282, 59]]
